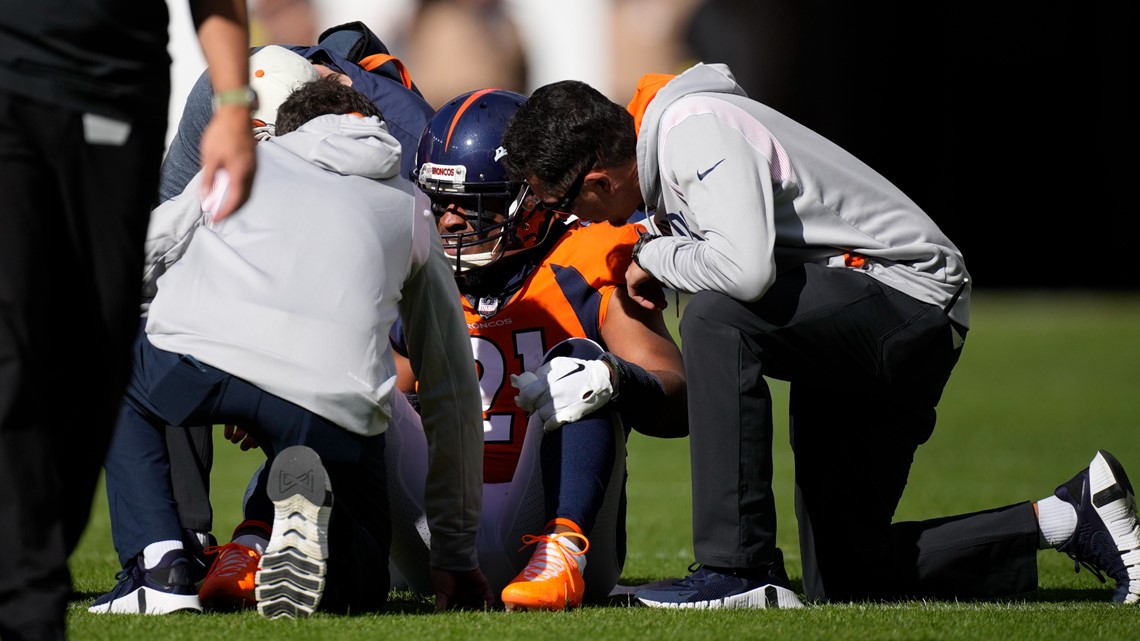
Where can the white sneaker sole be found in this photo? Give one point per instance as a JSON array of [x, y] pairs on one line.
[[291, 574], [147, 601], [1115, 504], [763, 597]]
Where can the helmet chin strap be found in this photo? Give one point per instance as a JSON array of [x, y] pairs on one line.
[[475, 260]]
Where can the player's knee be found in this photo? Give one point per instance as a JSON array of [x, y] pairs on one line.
[[574, 347]]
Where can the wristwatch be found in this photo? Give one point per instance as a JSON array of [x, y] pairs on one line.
[[241, 97], [642, 241]]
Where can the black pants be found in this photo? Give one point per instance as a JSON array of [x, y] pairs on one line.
[[191, 451], [867, 365], [73, 217]]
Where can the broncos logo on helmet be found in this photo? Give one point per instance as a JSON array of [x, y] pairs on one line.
[[479, 210]]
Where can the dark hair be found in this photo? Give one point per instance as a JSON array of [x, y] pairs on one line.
[[562, 128], [318, 98]]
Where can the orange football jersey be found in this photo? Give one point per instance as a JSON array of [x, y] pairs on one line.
[[566, 296]]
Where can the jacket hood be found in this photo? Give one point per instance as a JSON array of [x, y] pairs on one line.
[[701, 78], [345, 144]]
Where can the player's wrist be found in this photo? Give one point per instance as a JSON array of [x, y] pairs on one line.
[[615, 373], [636, 386]]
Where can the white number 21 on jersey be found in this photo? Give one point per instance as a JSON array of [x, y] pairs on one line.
[[493, 379]]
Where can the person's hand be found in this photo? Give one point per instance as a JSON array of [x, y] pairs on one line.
[[235, 434], [461, 590], [227, 143], [564, 390], [643, 288]]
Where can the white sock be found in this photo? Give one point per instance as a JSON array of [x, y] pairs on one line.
[[1057, 521], [154, 552], [572, 545], [253, 541]]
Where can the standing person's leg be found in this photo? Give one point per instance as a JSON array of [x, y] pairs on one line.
[[34, 582], [55, 175]]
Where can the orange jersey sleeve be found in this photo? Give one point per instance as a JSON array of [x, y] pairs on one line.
[[566, 296]]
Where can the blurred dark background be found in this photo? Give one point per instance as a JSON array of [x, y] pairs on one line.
[[1011, 125]]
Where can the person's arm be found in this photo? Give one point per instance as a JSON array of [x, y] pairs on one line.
[[406, 380], [439, 352], [643, 377], [405, 377], [726, 176], [656, 404], [227, 143], [183, 159]]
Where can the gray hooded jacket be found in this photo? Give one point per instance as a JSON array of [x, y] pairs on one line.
[[746, 192], [296, 293]]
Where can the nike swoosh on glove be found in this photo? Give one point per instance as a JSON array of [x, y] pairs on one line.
[[564, 390]]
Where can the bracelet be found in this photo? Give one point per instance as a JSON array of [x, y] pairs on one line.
[[642, 241], [240, 97]]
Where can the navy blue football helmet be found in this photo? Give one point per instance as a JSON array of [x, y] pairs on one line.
[[458, 167]]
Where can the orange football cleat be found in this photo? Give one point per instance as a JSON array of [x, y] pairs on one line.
[[230, 582], [551, 580]]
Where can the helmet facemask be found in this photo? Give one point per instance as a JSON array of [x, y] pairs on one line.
[[488, 225]]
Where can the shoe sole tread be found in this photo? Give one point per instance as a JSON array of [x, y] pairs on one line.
[[146, 600], [290, 580], [763, 597], [1115, 503]]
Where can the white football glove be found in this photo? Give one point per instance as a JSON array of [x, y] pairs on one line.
[[564, 390]]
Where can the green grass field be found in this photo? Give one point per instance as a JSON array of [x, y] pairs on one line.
[[1045, 380]]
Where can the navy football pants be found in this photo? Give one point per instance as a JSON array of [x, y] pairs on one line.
[[169, 389]]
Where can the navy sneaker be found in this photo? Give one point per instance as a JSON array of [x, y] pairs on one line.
[[712, 588], [1107, 537], [167, 587], [291, 576]]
